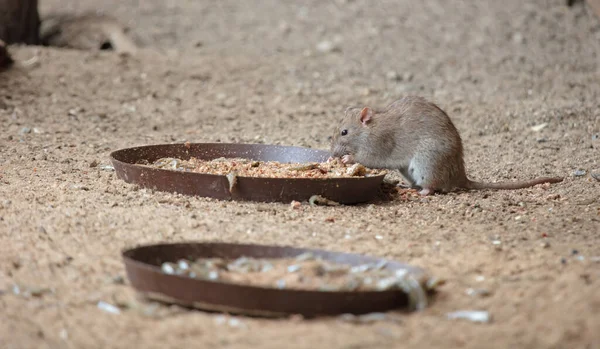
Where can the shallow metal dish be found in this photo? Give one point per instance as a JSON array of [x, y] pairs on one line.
[[143, 267], [342, 190]]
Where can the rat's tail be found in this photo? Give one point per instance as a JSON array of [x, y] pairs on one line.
[[512, 185]]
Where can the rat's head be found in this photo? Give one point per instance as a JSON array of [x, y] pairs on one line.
[[351, 133]]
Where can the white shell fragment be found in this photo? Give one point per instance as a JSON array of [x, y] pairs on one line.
[[539, 127], [471, 315], [168, 268], [213, 275], [317, 200], [109, 308], [232, 178], [183, 264]]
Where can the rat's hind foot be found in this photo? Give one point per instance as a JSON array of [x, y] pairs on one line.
[[426, 191]]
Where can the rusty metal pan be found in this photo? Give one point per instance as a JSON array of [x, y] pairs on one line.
[[343, 190], [143, 267]]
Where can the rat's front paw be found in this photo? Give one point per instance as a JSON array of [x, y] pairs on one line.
[[348, 159]]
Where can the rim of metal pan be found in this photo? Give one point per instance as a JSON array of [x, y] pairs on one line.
[[342, 190], [143, 267]]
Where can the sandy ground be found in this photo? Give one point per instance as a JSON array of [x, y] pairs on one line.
[[281, 73]]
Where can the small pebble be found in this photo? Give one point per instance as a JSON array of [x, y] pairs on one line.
[[392, 75], [574, 252], [327, 46], [378, 237], [545, 244], [183, 264], [496, 242], [518, 38], [579, 173], [213, 275], [168, 268], [478, 292], [280, 284], [25, 130], [539, 127], [109, 308]]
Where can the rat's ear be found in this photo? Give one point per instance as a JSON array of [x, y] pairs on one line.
[[365, 115]]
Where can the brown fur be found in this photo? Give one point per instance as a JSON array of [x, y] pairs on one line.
[[416, 137]]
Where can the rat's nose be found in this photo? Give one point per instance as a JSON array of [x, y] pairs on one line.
[[337, 151]]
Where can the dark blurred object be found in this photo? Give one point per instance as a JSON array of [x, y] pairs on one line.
[[19, 22], [86, 32], [5, 60], [594, 5]]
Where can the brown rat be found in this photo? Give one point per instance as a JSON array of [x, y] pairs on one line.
[[415, 137]]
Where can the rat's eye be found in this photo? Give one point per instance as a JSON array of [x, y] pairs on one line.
[[344, 132]]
